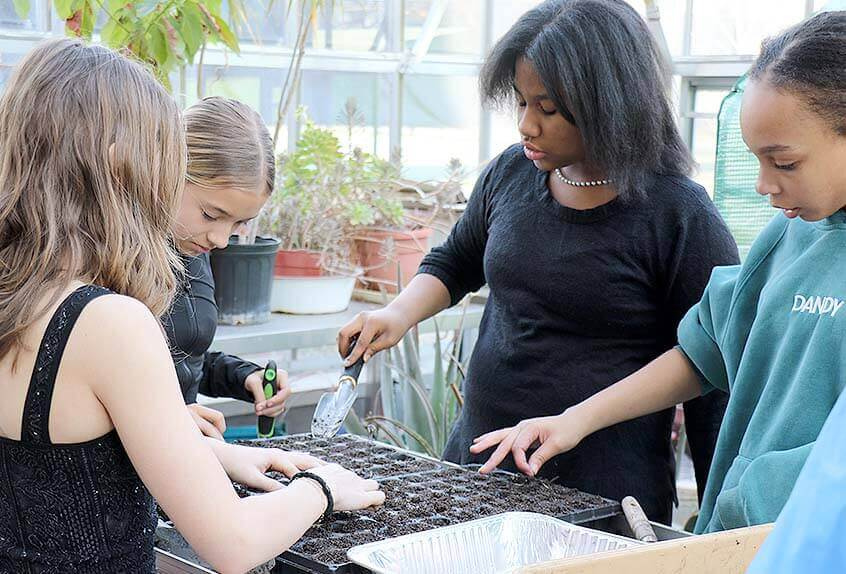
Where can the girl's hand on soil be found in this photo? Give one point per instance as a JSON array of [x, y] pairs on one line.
[[248, 465], [551, 436], [349, 491], [210, 422], [275, 405], [376, 330]]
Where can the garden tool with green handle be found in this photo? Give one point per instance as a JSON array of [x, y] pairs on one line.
[[265, 426]]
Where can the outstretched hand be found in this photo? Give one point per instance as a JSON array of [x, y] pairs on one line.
[[551, 436]]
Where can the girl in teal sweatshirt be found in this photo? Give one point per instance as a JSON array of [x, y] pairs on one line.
[[770, 332]]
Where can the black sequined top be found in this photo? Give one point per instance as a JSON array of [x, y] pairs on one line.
[[65, 508]]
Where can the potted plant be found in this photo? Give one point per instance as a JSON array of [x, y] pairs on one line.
[[385, 250], [322, 195], [391, 249], [250, 264]]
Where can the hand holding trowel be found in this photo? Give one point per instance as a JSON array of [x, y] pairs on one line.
[[333, 406]]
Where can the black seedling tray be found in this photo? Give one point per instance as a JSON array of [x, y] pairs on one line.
[[421, 494], [427, 500]]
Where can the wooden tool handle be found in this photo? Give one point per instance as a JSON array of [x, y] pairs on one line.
[[637, 520]]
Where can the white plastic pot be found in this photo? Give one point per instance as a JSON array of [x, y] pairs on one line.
[[311, 295]]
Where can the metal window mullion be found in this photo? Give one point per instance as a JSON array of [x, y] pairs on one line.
[[395, 26], [656, 29], [396, 79], [182, 86], [291, 22], [713, 82], [711, 67], [395, 118], [686, 100], [56, 24], [267, 106], [42, 16], [687, 32], [291, 118], [437, 8], [329, 18], [485, 119]]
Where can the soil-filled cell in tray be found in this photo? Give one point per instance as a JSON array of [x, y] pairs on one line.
[[366, 458]]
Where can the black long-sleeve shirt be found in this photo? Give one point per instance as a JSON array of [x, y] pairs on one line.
[[579, 299], [190, 326]]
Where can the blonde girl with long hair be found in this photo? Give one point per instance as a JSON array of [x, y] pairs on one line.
[[230, 175], [92, 424]]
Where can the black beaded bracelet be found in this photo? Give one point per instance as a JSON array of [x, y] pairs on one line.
[[330, 502]]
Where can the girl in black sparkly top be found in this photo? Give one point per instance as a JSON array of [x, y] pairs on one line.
[[92, 422]]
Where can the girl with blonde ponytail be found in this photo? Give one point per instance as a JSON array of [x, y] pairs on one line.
[[230, 175]]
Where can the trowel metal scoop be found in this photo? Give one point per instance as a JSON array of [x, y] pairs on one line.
[[333, 406]]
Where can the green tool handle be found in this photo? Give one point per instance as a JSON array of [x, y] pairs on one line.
[[265, 425]]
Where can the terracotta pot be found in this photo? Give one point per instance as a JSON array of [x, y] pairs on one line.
[[302, 286], [298, 263], [380, 261]]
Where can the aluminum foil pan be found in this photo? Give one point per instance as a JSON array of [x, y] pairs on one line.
[[497, 544]]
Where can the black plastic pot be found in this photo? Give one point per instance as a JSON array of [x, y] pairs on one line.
[[243, 277]]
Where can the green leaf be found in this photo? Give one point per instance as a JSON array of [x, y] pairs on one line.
[[416, 410], [87, 24], [159, 45], [113, 34], [437, 396], [191, 29], [22, 9], [386, 388], [425, 447], [455, 371], [354, 424], [163, 78], [213, 6], [65, 8], [383, 428], [422, 416], [226, 35]]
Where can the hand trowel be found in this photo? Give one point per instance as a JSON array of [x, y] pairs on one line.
[[333, 406]]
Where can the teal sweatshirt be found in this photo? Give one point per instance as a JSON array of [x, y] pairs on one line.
[[771, 333]]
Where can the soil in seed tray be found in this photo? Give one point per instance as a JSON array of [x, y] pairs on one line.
[[365, 458], [434, 496], [440, 498]]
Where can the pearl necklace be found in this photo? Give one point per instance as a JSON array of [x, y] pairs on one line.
[[594, 183]]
